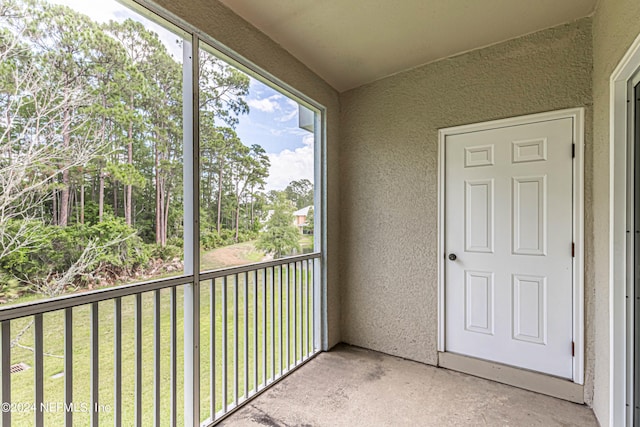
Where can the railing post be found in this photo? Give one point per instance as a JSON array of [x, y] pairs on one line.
[[191, 179], [5, 369], [68, 366]]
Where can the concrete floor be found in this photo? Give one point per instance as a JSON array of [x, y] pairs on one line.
[[349, 386]]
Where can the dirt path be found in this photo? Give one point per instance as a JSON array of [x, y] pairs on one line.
[[241, 253]]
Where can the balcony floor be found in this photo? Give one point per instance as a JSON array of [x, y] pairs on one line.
[[350, 386]]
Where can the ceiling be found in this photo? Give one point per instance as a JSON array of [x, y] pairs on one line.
[[352, 42]]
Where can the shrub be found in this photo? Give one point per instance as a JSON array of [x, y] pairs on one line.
[[166, 253], [115, 247]]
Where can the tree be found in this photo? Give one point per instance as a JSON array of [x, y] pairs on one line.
[[65, 42], [300, 192], [249, 167], [309, 224], [31, 155], [138, 43], [222, 91], [281, 235]]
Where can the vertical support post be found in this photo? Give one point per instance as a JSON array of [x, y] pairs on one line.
[[138, 355], [225, 365], [255, 332], [68, 366], [174, 358], [319, 275], [117, 362], [295, 313], [288, 314], [95, 365], [301, 303], [246, 336], [264, 328], [273, 325], [212, 346], [156, 358], [39, 367], [309, 342], [191, 179], [235, 340], [281, 321], [317, 301], [5, 369]]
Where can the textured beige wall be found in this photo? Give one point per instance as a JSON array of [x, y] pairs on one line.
[[615, 26], [216, 20], [389, 144]]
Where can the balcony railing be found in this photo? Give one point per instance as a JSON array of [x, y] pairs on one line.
[[123, 356]]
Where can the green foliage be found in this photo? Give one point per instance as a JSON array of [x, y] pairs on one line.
[[300, 192], [9, 288], [281, 236], [127, 174], [119, 249], [176, 241], [167, 252], [309, 225], [210, 239]]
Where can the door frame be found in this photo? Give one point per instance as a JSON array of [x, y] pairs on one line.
[[620, 134], [577, 115]]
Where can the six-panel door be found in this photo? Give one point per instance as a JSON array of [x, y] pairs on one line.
[[508, 210]]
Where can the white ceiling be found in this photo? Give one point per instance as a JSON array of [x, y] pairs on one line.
[[352, 42]]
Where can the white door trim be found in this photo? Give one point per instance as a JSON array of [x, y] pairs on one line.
[[577, 114], [619, 135]]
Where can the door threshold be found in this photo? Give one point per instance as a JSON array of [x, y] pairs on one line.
[[521, 378]]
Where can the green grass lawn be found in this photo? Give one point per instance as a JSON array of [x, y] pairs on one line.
[[22, 383]]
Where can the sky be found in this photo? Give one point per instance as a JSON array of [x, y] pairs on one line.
[[273, 118]]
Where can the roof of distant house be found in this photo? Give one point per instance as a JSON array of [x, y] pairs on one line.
[[303, 212]]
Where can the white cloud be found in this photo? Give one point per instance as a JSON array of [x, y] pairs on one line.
[[287, 131], [292, 113], [267, 105], [286, 108], [288, 165]]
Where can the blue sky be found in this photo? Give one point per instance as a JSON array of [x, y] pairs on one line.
[[273, 123], [273, 118]]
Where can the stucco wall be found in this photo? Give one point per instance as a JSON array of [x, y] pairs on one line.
[[222, 24], [389, 144], [615, 26]]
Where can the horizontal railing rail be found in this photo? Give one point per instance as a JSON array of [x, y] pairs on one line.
[[260, 320], [213, 274], [73, 300]]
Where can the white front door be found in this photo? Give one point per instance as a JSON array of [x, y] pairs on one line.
[[508, 245]]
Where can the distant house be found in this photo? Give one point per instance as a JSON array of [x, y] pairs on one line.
[[300, 217]]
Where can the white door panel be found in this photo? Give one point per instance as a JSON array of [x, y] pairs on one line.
[[508, 210]]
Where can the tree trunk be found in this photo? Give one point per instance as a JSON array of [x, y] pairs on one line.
[[237, 213], [159, 212], [165, 220], [76, 203], [63, 219], [128, 204], [115, 198], [252, 212], [221, 165], [82, 202], [54, 208], [101, 197]]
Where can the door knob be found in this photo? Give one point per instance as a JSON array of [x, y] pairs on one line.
[[452, 257]]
